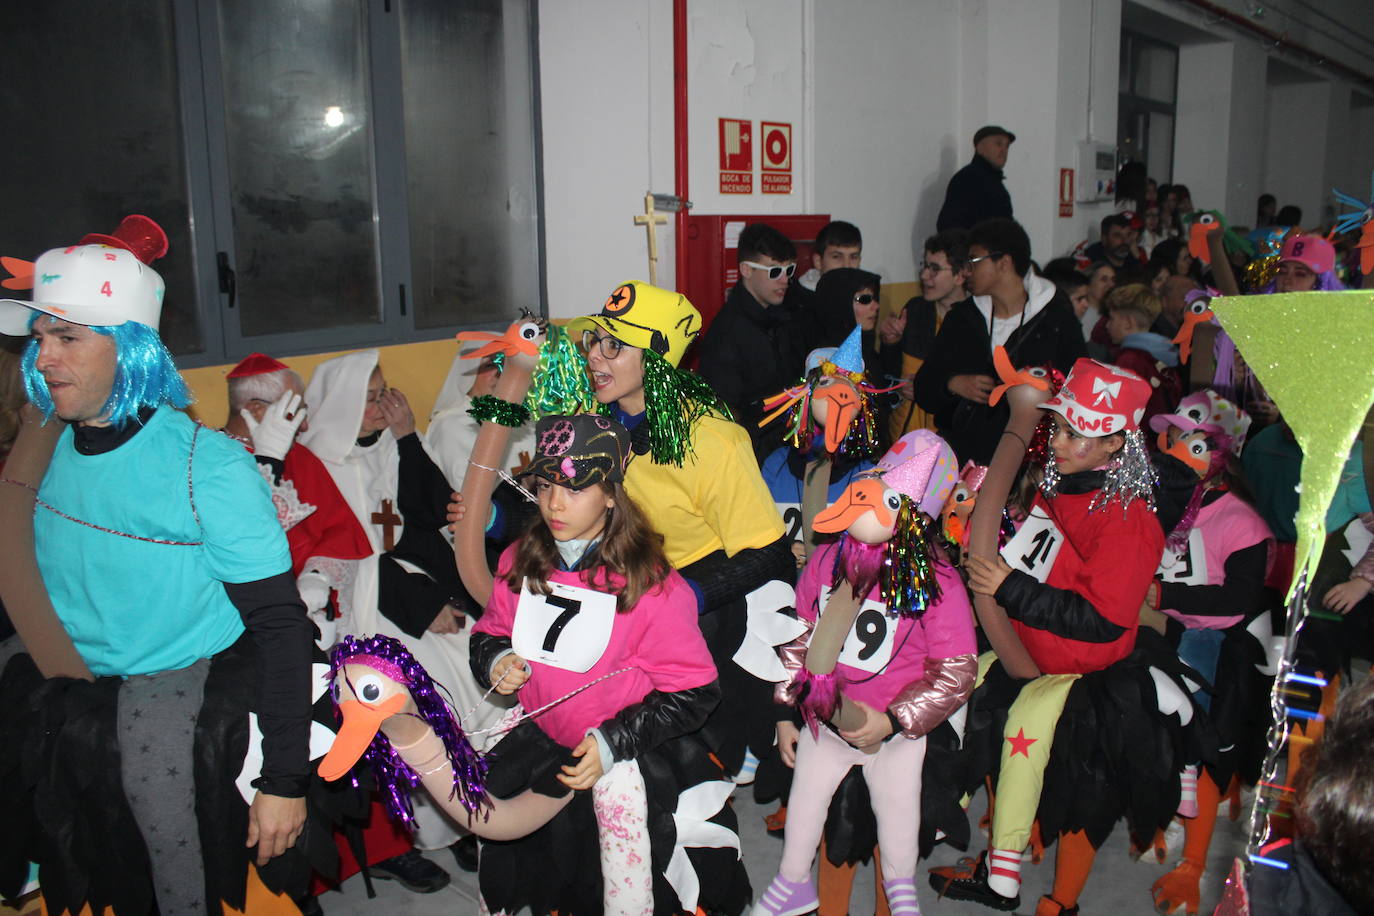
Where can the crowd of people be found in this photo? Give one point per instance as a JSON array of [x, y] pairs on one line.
[[761, 574]]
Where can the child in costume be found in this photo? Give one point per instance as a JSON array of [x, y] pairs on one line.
[[831, 436], [1209, 583], [1072, 581], [586, 601], [907, 662], [698, 480]]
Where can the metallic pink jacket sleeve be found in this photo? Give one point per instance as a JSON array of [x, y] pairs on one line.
[[930, 701], [793, 657]]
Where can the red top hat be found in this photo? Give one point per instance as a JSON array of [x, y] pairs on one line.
[[136, 233], [1098, 399], [256, 364]]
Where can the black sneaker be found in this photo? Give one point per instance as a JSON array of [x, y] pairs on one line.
[[969, 881], [413, 872], [465, 853]]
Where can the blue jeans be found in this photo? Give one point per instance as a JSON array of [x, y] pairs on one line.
[[1200, 650]]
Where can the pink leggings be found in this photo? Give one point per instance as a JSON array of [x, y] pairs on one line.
[[894, 786]]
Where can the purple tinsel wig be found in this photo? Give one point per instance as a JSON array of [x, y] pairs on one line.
[[395, 778]]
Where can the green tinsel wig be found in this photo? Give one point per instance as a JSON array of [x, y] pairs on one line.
[[674, 400], [560, 384]]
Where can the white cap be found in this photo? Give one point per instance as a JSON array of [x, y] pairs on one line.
[[88, 284]]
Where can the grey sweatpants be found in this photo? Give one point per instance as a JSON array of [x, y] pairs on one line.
[[157, 728]]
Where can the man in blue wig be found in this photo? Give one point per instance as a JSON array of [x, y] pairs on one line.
[[160, 550]]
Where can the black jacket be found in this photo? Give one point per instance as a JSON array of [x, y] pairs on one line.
[[975, 193], [1053, 337], [409, 599], [750, 353]]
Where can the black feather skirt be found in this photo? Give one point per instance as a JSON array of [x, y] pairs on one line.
[[63, 804], [1115, 755], [558, 867]]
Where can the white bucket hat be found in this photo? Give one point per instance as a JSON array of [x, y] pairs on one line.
[[90, 285]]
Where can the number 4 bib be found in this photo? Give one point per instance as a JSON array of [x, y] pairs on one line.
[[1033, 548], [568, 629]]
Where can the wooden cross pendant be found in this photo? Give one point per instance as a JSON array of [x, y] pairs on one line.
[[389, 521]]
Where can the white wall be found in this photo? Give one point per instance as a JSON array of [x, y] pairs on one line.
[[887, 132], [1220, 139], [606, 88], [1295, 171], [884, 99]]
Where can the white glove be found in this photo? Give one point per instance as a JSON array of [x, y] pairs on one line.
[[314, 590], [272, 437]]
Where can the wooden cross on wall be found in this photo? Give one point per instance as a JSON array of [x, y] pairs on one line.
[[649, 219], [389, 521]]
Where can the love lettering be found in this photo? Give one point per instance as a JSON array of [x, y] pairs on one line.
[[1104, 424]]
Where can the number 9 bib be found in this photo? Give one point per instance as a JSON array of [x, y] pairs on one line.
[[568, 629], [868, 646]]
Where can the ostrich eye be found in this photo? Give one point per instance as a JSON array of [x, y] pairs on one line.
[[529, 330], [893, 500], [369, 688], [1039, 372], [1206, 219]]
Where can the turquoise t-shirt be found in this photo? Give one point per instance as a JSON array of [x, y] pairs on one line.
[[137, 607]]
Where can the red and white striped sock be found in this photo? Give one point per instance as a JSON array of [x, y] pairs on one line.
[[1004, 871], [1187, 799]]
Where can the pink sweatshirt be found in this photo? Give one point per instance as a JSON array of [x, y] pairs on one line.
[[658, 638], [1223, 526], [883, 656]]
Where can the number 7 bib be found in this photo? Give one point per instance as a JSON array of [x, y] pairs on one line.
[[568, 629]]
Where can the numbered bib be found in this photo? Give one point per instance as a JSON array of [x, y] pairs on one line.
[[1358, 539], [568, 629], [1188, 566], [868, 646], [1033, 549], [791, 520]]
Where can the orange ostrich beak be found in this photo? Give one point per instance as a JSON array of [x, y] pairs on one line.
[[22, 273], [514, 340], [1184, 337], [360, 725], [860, 497], [1197, 242], [844, 404], [1011, 378]]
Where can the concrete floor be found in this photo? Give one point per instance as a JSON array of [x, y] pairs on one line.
[[1119, 885]]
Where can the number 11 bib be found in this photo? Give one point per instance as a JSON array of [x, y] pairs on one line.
[[1034, 547], [568, 629]]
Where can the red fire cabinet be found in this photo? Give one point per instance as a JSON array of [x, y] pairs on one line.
[[711, 254]]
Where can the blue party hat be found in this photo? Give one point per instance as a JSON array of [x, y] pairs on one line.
[[849, 356]]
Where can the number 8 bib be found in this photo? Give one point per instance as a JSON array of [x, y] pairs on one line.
[[568, 629]]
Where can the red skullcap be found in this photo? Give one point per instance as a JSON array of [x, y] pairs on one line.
[[256, 364]]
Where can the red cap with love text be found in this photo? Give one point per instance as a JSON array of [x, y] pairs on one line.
[[1098, 399]]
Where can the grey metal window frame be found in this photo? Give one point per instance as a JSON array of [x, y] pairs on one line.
[[202, 100]]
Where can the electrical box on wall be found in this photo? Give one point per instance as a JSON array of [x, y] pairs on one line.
[[1096, 171]]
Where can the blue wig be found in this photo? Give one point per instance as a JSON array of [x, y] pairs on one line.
[[145, 375]]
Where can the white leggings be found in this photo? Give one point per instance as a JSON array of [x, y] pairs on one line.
[[893, 775]]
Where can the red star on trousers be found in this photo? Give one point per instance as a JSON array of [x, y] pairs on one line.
[[1020, 744]]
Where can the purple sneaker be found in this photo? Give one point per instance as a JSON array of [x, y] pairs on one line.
[[787, 898]]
